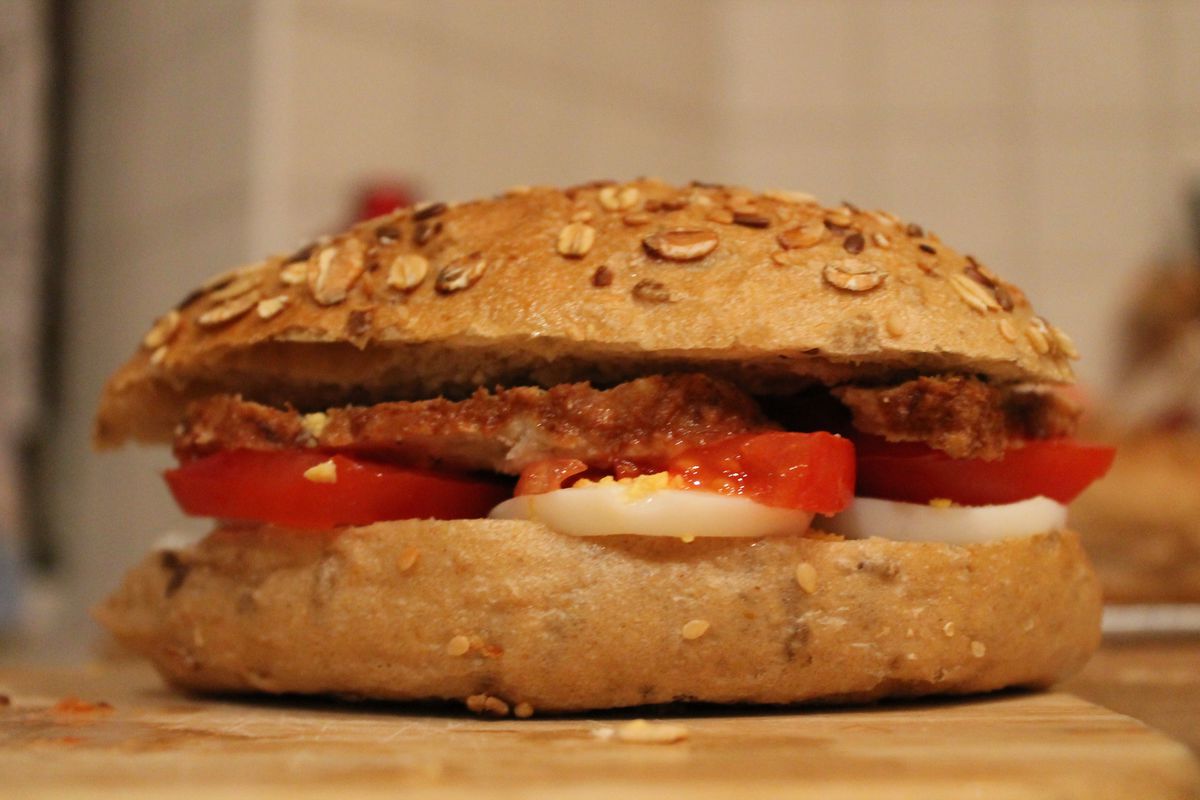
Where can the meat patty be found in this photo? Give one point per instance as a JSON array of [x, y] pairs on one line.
[[964, 417], [644, 420]]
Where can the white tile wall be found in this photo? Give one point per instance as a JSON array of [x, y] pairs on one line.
[[157, 200], [1088, 54], [1180, 28], [944, 54], [778, 56], [23, 79], [23, 89]]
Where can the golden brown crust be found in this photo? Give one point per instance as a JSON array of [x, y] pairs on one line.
[[962, 416], [645, 421], [568, 624], [603, 282]]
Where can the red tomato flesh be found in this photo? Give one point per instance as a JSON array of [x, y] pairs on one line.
[[545, 476], [806, 471], [269, 486], [1056, 468]]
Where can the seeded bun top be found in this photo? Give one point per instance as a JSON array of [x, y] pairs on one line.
[[603, 282]]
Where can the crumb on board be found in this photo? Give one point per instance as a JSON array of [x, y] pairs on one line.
[[641, 731], [487, 705], [74, 705]]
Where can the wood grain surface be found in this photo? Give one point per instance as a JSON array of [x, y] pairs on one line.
[[1153, 678], [153, 742]]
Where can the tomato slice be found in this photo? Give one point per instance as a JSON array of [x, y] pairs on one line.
[[269, 486], [1056, 468], [807, 471], [546, 476]]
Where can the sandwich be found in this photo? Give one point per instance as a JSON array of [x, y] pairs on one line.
[[613, 445]]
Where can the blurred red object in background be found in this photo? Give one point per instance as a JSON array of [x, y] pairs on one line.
[[382, 197]]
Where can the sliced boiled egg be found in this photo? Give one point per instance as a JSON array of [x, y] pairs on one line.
[[915, 522], [648, 506]]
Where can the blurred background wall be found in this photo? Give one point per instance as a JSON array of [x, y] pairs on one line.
[[1053, 140], [24, 93]]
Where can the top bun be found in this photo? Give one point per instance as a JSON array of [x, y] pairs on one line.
[[601, 282]]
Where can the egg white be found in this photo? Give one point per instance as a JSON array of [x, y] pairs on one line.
[[917, 522], [613, 509]]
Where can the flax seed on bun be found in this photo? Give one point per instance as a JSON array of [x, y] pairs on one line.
[[770, 299], [599, 282]]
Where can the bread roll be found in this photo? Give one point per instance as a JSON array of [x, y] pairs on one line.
[[426, 609]]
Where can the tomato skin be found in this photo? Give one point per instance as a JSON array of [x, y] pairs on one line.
[[807, 471], [546, 476], [269, 486], [914, 473]]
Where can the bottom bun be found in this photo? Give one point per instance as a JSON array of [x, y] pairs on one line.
[[510, 615]]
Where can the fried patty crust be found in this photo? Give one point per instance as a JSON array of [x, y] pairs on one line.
[[504, 431], [962, 416], [642, 421]]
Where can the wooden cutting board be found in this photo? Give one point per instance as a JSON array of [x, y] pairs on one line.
[[155, 743]]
